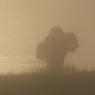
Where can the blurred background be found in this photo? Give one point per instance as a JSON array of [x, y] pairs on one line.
[[24, 23]]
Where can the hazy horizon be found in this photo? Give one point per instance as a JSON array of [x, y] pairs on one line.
[[24, 23]]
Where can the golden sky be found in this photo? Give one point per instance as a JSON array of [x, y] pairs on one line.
[[23, 23]]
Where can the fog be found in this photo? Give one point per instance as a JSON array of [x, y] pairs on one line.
[[24, 23]]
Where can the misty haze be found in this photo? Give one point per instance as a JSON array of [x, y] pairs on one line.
[[47, 47]]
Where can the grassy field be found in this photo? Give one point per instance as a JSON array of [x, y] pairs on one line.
[[76, 83]]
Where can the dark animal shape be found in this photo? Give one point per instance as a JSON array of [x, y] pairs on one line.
[[55, 47]]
